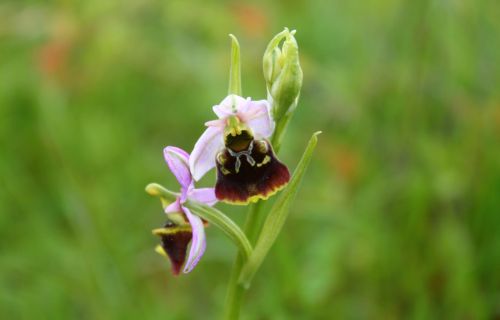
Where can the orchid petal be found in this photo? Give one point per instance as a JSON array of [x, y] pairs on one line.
[[203, 156], [258, 118], [178, 162], [204, 195], [225, 108], [198, 243], [221, 123], [245, 105], [174, 207]]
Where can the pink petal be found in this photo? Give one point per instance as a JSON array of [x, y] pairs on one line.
[[203, 156], [225, 108], [245, 105], [204, 195], [174, 207], [257, 116], [178, 162], [221, 123], [198, 242]]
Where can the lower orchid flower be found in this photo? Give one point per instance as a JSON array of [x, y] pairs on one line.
[[183, 226]]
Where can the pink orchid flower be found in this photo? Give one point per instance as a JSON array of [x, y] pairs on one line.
[[174, 237], [254, 114]]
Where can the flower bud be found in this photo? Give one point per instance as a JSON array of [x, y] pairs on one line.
[[282, 73]]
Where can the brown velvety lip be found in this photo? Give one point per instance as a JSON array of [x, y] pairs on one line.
[[250, 181]]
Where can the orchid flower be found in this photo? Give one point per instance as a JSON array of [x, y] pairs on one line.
[[182, 225], [255, 115], [247, 168]]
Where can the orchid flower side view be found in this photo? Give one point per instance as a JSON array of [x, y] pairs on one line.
[[242, 145], [182, 226]]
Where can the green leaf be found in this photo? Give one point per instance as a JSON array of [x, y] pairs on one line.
[[277, 217], [212, 215]]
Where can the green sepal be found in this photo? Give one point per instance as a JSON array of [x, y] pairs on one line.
[[235, 70]]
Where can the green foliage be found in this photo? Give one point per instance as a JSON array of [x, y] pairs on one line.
[[397, 217]]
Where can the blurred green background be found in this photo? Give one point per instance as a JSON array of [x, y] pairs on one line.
[[399, 214]]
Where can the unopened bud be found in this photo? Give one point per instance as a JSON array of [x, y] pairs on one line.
[[282, 73]]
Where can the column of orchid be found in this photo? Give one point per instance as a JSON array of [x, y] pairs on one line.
[[240, 144]]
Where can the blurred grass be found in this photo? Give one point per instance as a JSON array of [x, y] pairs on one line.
[[398, 216]]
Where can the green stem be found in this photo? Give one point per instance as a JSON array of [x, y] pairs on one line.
[[279, 132], [255, 211], [236, 291]]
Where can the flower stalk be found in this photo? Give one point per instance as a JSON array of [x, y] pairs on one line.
[[235, 290]]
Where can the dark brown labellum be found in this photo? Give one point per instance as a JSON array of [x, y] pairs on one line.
[[250, 174], [174, 241]]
